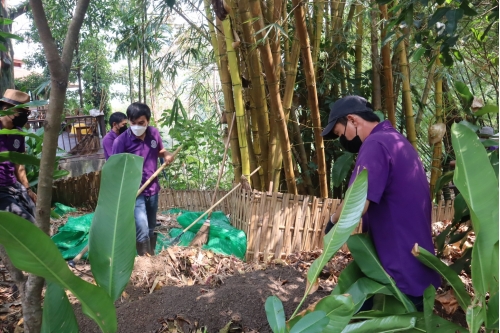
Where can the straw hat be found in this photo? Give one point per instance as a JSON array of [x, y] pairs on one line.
[[14, 97]]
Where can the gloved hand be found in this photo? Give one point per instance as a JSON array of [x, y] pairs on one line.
[[328, 227]]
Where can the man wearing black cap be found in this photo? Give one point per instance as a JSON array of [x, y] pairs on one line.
[[16, 195], [397, 213]]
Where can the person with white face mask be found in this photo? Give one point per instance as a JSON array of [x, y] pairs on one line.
[[144, 140]]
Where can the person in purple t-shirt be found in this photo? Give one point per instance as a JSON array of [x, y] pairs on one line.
[[397, 212], [118, 122], [143, 140], [16, 195]]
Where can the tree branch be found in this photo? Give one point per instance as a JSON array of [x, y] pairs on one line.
[[73, 32], [19, 10]]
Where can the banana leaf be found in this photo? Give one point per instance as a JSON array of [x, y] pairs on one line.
[[313, 322], [349, 275], [475, 316], [58, 315], [31, 250], [430, 260], [365, 255], [275, 314], [362, 289], [429, 297], [383, 324], [388, 304], [477, 182], [354, 202], [112, 233]]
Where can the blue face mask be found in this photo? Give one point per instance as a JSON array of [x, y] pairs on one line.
[[353, 145]]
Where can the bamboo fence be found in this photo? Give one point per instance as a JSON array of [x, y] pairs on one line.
[[276, 224]]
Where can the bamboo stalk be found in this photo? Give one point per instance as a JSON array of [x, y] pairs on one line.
[[377, 90], [358, 48], [408, 108], [312, 94], [274, 96], [319, 8], [387, 66], [437, 151], [425, 96], [226, 84], [238, 98]]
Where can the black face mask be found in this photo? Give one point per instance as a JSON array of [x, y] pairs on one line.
[[122, 129], [20, 120], [353, 145]]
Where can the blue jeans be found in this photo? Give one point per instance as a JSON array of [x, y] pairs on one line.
[[145, 216]]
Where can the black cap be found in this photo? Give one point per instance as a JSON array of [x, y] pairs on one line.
[[343, 107]]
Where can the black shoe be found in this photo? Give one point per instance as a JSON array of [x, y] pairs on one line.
[[152, 243], [143, 247]]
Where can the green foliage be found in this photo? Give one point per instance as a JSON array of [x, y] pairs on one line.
[[341, 168], [58, 315], [112, 251], [113, 228], [275, 314], [31, 250]]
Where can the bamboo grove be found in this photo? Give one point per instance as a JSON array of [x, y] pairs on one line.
[[281, 63]]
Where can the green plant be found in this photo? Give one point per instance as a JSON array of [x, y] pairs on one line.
[[112, 251], [478, 184]]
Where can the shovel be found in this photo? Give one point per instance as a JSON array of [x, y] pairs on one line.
[[79, 256]]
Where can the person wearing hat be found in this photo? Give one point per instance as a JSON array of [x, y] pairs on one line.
[[397, 212], [16, 196]]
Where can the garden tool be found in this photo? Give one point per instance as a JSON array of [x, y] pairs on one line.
[[201, 237], [153, 176], [243, 179]]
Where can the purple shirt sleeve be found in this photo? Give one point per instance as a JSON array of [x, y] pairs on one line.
[[107, 144], [374, 157], [118, 146], [159, 140]]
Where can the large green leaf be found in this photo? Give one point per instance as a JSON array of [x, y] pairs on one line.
[[354, 202], [341, 168], [58, 315], [453, 17], [492, 312], [363, 289], [439, 324], [442, 181], [349, 275], [313, 322], [486, 109], [364, 253], [475, 316], [18, 132], [112, 233], [438, 15], [31, 250], [429, 296], [275, 314], [388, 304], [19, 158], [477, 182], [464, 91], [382, 325], [430, 260]]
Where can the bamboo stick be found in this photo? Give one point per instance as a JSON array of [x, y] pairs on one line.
[[437, 151], [387, 69], [358, 48]]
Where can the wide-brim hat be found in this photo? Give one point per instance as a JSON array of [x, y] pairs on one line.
[[15, 97], [341, 108]]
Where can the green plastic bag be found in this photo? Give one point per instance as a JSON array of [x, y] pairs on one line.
[[62, 210], [72, 237], [222, 237]]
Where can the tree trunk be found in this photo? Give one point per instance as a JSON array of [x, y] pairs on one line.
[[437, 151], [79, 74], [377, 91], [144, 22], [130, 79], [408, 108], [274, 96], [139, 84], [59, 68], [389, 82], [312, 94]]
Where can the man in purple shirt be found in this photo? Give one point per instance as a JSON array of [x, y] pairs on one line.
[[16, 195], [143, 140], [118, 122], [397, 212]]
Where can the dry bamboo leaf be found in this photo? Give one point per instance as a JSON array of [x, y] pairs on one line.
[[314, 288], [477, 103], [448, 301], [436, 133]]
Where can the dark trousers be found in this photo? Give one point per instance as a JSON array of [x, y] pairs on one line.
[[15, 199]]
